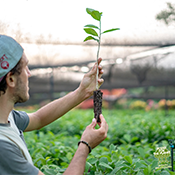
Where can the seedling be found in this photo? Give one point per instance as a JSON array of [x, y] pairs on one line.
[[96, 36]]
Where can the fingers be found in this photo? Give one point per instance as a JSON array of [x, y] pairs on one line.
[[100, 82], [100, 71], [94, 68], [95, 136], [100, 67], [103, 123], [99, 60], [101, 117], [94, 123]]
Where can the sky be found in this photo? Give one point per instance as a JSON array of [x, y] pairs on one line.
[[66, 18]]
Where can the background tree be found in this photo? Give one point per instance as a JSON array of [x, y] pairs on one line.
[[167, 15], [18, 34], [3, 27]]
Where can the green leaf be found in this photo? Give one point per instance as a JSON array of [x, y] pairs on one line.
[[112, 147], [91, 26], [141, 152], [128, 159], [123, 141], [139, 165], [154, 164], [127, 137], [64, 164], [49, 171], [134, 139], [115, 170], [92, 160], [120, 163], [110, 30], [140, 173], [69, 155], [143, 162], [164, 172], [147, 170], [103, 159], [91, 31], [90, 38], [105, 165], [89, 10], [87, 167], [172, 173], [94, 13]]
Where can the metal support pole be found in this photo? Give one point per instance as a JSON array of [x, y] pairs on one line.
[[172, 158], [172, 155]]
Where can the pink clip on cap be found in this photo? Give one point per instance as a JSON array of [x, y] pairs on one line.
[[1, 78]]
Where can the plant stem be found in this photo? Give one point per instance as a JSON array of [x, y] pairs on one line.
[[98, 54]]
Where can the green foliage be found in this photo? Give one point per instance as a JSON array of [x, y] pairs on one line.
[[133, 137], [90, 28], [168, 15]]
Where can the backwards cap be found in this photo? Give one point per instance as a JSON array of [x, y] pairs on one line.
[[10, 54]]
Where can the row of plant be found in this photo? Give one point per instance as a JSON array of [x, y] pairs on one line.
[[146, 105], [133, 137], [121, 104]]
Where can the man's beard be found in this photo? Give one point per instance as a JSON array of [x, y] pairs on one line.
[[20, 95], [19, 99]]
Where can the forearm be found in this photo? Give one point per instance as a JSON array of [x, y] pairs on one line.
[[77, 165], [59, 107]]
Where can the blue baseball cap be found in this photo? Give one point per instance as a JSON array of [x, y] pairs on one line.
[[10, 54]]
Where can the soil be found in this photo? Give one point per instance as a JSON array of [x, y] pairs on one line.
[[97, 98]]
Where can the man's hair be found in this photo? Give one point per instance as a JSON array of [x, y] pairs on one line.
[[16, 70]]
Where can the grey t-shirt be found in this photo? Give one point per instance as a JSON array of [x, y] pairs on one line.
[[12, 161]]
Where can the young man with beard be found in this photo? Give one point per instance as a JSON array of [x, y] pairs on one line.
[[14, 73]]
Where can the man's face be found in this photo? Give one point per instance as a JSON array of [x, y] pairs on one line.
[[21, 93]]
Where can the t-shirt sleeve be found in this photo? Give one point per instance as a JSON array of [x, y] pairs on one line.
[[21, 119], [13, 162]]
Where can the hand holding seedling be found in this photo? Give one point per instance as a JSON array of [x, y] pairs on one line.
[[91, 29], [95, 136], [88, 82]]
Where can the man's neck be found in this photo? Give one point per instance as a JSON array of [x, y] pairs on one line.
[[6, 107]]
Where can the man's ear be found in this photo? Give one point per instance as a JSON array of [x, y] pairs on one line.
[[11, 79]]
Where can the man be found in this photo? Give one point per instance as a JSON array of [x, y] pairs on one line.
[[14, 73]]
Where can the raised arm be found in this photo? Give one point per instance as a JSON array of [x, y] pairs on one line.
[[59, 107]]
